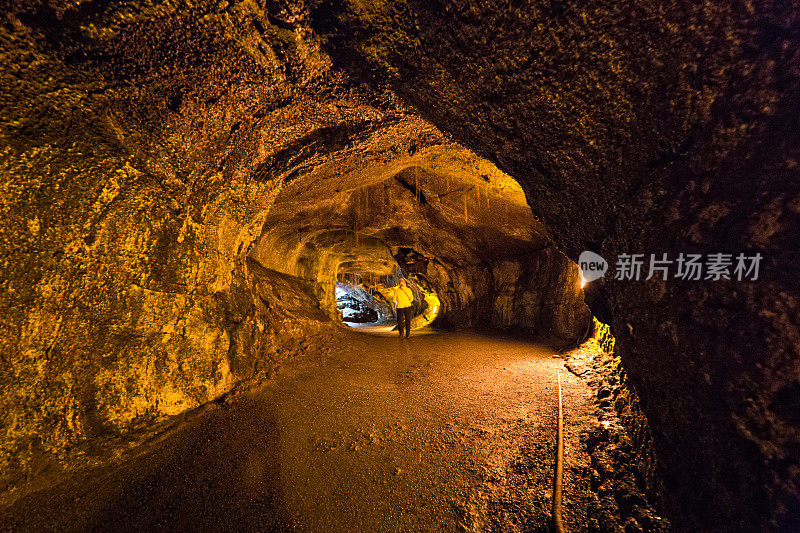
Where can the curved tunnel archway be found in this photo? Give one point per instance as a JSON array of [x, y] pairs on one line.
[[449, 220]]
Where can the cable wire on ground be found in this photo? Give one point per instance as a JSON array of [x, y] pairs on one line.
[[558, 526]]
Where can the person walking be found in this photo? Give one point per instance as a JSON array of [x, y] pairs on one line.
[[403, 303]]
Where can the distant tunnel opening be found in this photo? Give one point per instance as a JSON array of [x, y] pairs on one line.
[[366, 301]]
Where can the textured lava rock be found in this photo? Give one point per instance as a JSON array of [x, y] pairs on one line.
[[625, 475], [131, 154], [490, 267]]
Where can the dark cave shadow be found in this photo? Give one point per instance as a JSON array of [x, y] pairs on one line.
[[218, 472]]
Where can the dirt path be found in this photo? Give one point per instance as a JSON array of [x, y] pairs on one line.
[[442, 432]]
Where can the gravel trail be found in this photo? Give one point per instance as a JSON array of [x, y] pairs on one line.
[[440, 432]]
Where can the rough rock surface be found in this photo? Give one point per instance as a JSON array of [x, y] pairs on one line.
[[626, 478]]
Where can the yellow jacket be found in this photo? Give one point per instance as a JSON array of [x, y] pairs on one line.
[[403, 297]]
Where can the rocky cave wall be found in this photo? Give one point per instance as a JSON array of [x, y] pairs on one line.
[[171, 225], [139, 155], [648, 127]]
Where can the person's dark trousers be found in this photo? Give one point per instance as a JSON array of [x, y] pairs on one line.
[[404, 316]]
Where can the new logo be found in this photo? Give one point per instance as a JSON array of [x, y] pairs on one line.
[[592, 266]]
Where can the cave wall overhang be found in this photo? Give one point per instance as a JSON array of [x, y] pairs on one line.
[[648, 127]]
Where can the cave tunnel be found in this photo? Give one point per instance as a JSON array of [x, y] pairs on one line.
[[207, 206]]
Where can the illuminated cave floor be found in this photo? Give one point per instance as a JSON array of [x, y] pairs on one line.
[[385, 329], [445, 432]]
